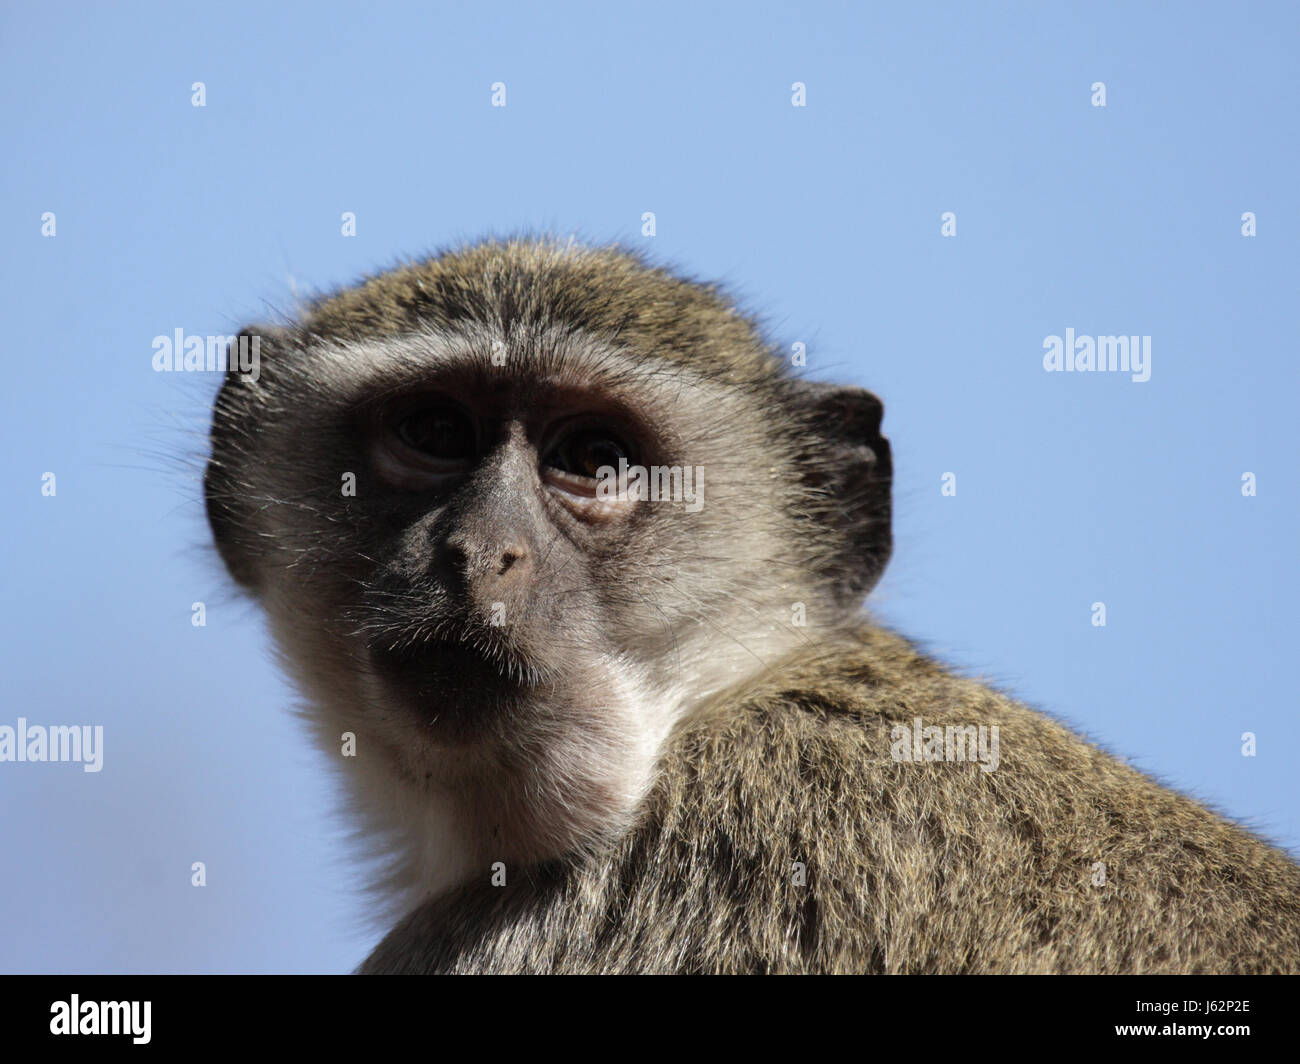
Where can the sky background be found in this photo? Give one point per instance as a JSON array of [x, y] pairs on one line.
[[826, 219]]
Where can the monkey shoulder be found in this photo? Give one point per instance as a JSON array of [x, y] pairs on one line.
[[863, 778]]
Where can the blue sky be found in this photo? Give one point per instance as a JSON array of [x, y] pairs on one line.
[[1072, 488]]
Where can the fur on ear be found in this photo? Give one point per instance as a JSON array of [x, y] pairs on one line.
[[232, 437], [847, 465]]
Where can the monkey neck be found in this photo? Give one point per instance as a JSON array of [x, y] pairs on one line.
[[570, 777], [560, 781]]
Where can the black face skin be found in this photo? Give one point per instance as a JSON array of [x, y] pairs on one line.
[[482, 494], [488, 490]]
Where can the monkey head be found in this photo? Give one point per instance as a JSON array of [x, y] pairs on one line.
[[513, 511]]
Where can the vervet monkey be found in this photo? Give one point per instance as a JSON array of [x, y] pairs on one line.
[[605, 729]]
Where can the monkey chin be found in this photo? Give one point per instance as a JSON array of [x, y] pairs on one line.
[[459, 694], [493, 764]]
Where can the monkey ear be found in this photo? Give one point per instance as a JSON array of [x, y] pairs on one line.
[[848, 467], [234, 435]]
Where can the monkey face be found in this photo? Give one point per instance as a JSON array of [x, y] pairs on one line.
[[444, 525], [505, 573], [508, 544]]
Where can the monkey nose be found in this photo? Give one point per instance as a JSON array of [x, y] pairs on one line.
[[486, 566]]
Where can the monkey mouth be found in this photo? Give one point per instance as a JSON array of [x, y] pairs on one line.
[[451, 666], [459, 691]]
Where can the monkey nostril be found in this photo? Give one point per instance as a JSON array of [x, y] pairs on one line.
[[468, 564]]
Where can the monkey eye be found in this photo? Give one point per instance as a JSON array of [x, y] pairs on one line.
[[584, 452], [444, 433]]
